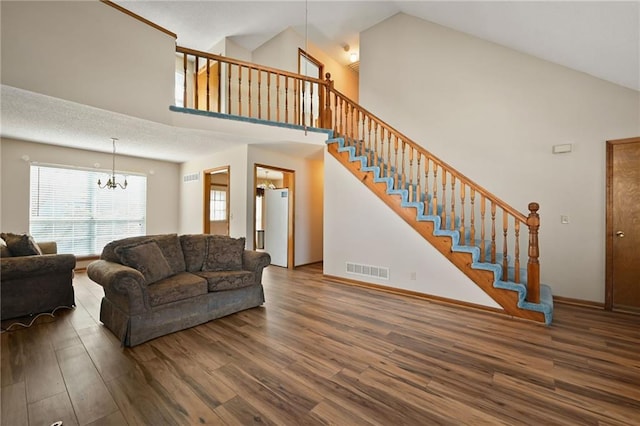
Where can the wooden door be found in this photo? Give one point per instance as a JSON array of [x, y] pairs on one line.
[[623, 225]]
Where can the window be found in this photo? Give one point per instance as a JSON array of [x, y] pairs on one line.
[[68, 207], [218, 207]]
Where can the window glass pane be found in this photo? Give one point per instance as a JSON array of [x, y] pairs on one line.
[[68, 207], [218, 205]]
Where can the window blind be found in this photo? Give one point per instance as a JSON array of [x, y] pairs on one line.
[[68, 207]]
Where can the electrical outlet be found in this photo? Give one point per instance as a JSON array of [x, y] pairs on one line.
[[412, 276]]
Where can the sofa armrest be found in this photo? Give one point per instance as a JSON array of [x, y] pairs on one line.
[[17, 267], [48, 247], [255, 261], [125, 287]]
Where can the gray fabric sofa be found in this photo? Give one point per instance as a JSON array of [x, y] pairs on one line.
[[35, 283], [159, 284]]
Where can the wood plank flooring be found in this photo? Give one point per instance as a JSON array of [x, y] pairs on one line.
[[324, 353]]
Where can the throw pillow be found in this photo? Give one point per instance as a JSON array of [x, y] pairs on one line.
[[223, 253], [147, 258], [21, 244], [4, 250]]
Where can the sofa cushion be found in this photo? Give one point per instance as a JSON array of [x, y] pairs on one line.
[[194, 247], [223, 253], [147, 258], [172, 251], [176, 287], [21, 244], [228, 280], [4, 250]]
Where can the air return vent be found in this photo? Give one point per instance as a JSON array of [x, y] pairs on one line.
[[192, 177], [378, 272]]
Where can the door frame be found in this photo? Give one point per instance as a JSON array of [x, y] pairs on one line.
[[206, 211], [608, 299], [288, 181]]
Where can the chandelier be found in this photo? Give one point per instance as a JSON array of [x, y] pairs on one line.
[[111, 183]]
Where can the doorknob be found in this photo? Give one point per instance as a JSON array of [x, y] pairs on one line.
[[620, 234]]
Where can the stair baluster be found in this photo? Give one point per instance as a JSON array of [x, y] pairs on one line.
[[505, 260]]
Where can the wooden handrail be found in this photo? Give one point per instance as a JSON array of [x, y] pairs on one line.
[[249, 89]]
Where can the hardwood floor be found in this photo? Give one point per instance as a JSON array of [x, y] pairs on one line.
[[324, 353]]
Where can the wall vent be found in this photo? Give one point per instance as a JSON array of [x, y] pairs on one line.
[[379, 272], [191, 177]]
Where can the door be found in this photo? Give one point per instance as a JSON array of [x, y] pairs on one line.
[[623, 225], [216, 201], [276, 230]]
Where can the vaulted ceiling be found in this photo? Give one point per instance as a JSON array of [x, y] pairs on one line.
[[600, 38]]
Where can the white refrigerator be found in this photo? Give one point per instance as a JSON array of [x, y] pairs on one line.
[[276, 228]]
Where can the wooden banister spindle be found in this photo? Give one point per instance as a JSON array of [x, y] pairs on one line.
[[426, 184], [533, 265], [326, 116], [402, 165], [250, 70], [434, 198], [483, 254], [208, 80], [396, 173], [259, 94], [472, 225], [269, 96], [229, 88], [196, 105], [277, 97], [418, 178], [493, 231], [296, 106], [505, 260], [380, 154], [184, 89], [286, 99], [463, 236], [373, 153], [411, 190], [516, 249], [452, 219], [311, 123], [443, 214], [388, 174], [240, 90]]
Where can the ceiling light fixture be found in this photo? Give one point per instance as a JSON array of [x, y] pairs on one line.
[[111, 183], [353, 56]]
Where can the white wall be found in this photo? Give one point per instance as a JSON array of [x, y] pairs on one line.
[[308, 200], [280, 52], [82, 51], [494, 114], [362, 229], [162, 185], [192, 193]]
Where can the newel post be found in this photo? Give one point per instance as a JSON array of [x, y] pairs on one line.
[[533, 265], [326, 112]]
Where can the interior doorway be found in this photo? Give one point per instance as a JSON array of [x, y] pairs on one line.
[[216, 201], [622, 226], [273, 213]]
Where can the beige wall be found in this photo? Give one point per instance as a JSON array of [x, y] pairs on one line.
[[82, 51], [191, 194], [162, 185], [495, 114]]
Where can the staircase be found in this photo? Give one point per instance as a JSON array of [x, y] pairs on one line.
[[382, 178], [474, 229]]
